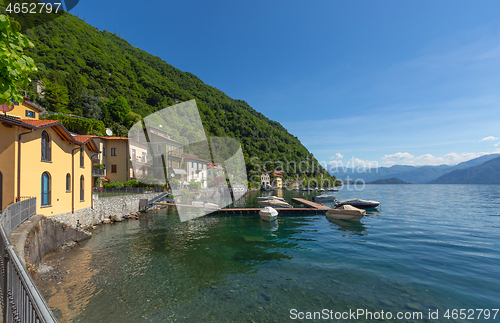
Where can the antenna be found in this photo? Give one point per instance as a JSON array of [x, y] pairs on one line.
[[109, 132]]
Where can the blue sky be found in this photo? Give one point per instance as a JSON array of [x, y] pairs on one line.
[[387, 82]]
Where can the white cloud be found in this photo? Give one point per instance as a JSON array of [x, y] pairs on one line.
[[337, 156], [428, 159], [398, 158], [489, 138]]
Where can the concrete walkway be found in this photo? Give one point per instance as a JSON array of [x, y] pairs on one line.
[[18, 236]]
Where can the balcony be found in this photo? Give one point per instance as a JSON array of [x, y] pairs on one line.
[[142, 160], [96, 156], [98, 172]]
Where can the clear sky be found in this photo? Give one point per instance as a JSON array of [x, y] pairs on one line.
[[391, 82]]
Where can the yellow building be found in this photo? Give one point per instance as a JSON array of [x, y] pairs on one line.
[[113, 153], [40, 158], [26, 110]]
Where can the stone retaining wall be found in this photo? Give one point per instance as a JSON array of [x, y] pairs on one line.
[[47, 235], [104, 208]]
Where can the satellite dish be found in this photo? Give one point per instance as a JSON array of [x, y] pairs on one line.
[[109, 132]]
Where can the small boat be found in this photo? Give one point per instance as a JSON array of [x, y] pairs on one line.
[[322, 190], [205, 205], [275, 204], [324, 198], [307, 189], [270, 197], [268, 214], [333, 189], [359, 203], [346, 212]]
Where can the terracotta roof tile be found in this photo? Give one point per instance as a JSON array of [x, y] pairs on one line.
[[123, 138], [39, 123], [84, 138], [194, 157]]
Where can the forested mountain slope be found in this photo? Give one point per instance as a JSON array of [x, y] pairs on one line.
[[98, 75]]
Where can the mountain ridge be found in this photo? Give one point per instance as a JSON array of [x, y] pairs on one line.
[[408, 173]]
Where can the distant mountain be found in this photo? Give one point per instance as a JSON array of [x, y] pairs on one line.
[[393, 180], [410, 174], [486, 173]]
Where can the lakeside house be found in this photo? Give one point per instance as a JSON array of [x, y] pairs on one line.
[[278, 179], [42, 159], [265, 180], [196, 169]]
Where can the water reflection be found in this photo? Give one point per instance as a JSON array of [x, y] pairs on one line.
[[355, 227]]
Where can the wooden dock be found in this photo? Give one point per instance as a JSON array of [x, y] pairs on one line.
[[312, 207], [310, 204]]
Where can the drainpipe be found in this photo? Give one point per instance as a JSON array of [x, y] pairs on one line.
[[19, 163], [73, 180]]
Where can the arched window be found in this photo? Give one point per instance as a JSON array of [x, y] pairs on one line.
[[82, 186], [45, 146], [45, 189], [68, 182], [81, 157]]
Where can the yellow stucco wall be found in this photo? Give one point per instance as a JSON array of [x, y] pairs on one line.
[[32, 168], [8, 162], [121, 160], [20, 111]]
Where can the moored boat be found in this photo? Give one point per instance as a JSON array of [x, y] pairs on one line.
[[358, 203], [346, 212], [333, 189], [268, 214], [324, 198], [270, 197], [275, 204]]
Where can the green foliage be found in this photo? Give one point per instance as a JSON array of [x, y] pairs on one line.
[[15, 67], [131, 183], [194, 185], [80, 125], [57, 97], [174, 183], [112, 185], [128, 80], [118, 108]]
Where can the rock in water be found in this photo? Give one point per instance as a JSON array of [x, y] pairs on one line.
[[267, 298]]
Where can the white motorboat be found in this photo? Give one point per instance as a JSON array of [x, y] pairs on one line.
[[322, 190], [275, 204], [346, 212], [271, 197], [268, 214], [205, 205], [333, 189], [359, 203], [324, 198], [307, 189]]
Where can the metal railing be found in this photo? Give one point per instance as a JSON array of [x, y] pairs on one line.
[[98, 172], [21, 300]]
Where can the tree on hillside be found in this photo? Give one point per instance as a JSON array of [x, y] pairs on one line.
[[118, 109], [15, 67]]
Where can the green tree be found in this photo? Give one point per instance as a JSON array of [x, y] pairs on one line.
[[56, 96], [15, 67], [118, 109]]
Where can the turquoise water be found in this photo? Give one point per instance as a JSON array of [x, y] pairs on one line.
[[430, 247]]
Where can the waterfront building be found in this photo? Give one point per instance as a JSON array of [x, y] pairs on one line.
[[278, 181], [42, 159], [265, 180], [24, 110], [196, 169]]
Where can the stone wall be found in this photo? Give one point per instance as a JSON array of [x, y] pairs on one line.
[[104, 208], [47, 235]]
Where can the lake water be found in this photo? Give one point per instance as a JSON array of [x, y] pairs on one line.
[[430, 247]]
